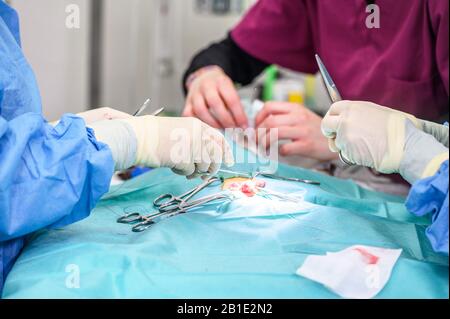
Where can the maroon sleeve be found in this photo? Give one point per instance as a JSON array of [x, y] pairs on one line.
[[278, 32], [439, 22]]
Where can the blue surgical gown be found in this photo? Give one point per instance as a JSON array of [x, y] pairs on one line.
[[430, 196], [49, 176]]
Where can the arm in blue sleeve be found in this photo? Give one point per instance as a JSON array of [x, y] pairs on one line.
[[50, 176], [430, 196]]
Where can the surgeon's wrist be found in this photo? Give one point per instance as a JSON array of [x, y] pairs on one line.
[[146, 130], [439, 131], [194, 76], [423, 155], [121, 140]]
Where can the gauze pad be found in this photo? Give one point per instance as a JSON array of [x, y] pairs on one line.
[[358, 272]]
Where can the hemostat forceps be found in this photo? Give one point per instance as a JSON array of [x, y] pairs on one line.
[[166, 201], [143, 222]]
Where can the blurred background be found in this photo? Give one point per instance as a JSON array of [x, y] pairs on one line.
[[123, 52]]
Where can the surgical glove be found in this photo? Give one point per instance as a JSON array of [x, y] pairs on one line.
[[120, 138], [367, 134], [423, 155], [100, 114], [440, 132], [186, 145]]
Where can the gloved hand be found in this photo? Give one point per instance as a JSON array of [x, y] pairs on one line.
[[423, 155], [103, 113], [440, 132], [378, 137], [186, 145], [367, 134], [100, 114]]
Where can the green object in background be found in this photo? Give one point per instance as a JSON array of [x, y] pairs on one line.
[[269, 82]]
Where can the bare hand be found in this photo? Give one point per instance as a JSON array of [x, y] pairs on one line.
[[295, 123], [213, 99]]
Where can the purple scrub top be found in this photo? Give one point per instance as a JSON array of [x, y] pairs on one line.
[[402, 65]]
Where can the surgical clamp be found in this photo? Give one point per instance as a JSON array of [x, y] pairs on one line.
[[165, 201], [143, 222]]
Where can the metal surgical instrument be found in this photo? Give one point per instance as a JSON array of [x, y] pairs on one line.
[[290, 179], [333, 93], [143, 222], [272, 176], [165, 201], [144, 106]]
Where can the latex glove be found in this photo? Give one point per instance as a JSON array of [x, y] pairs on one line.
[[296, 123], [186, 145], [423, 154], [213, 99], [388, 140], [367, 134], [100, 114], [440, 132]]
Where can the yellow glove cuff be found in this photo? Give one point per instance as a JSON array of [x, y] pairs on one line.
[[146, 129], [435, 164], [396, 138]]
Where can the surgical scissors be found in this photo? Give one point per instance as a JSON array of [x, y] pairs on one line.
[[333, 93], [143, 222], [166, 201]]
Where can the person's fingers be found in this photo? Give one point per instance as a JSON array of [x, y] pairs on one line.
[[200, 169], [340, 143], [283, 133], [217, 108], [228, 157], [330, 125], [201, 111], [214, 169], [332, 145], [232, 100], [193, 176], [294, 148], [272, 108], [184, 169], [188, 112], [215, 153], [338, 107], [276, 121], [266, 137], [273, 122]]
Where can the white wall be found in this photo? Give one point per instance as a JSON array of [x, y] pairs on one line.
[[138, 37], [58, 55]]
